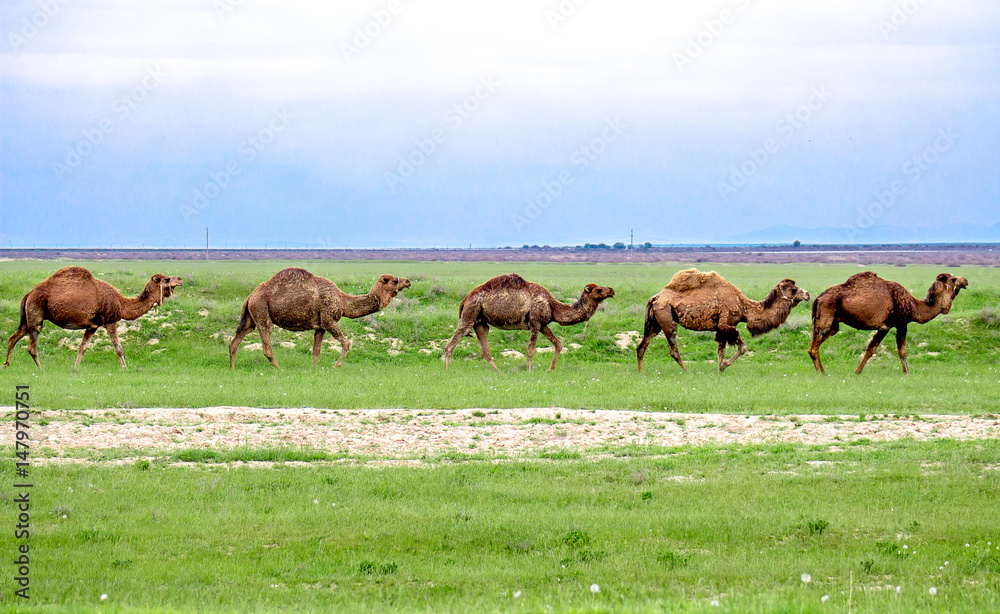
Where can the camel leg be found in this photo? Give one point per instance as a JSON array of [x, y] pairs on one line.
[[345, 344], [532, 338], [241, 331], [113, 333], [33, 346], [264, 328], [317, 345], [482, 330], [901, 346], [652, 328], [675, 352], [12, 341], [876, 339], [741, 349], [819, 335], [555, 342], [462, 330], [87, 334], [724, 336]]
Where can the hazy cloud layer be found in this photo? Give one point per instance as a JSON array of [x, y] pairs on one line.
[[397, 122]]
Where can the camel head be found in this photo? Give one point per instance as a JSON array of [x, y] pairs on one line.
[[788, 290], [944, 290], [598, 293], [161, 287], [390, 285]]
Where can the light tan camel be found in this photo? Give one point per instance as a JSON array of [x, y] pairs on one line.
[[706, 301], [295, 299], [867, 302], [74, 299], [509, 302]]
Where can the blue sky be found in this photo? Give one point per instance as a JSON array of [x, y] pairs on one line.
[[399, 123]]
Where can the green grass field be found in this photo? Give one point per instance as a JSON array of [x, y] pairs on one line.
[[906, 526], [180, 356], [668, 532]]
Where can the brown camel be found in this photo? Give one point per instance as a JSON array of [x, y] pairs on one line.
[[867, 302], [511, 303], [295, 299], [72, 298], [706, 301]]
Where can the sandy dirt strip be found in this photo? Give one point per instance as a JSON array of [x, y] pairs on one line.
[[412, 434]]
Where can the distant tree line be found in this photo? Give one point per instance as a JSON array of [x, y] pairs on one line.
[[618, 245]]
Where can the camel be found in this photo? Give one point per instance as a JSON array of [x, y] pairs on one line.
[[509, 302], [867, 302], [706, 301], [295, 299], [74, 299]]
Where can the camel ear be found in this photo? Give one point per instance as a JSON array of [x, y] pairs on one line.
[[158, 278], [589, 288], [385, 278], [943, 277]]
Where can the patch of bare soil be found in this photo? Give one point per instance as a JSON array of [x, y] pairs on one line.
[[400, 434]]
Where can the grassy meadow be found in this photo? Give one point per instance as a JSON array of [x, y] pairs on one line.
[[179, 357], [900, 527], [862, 526]]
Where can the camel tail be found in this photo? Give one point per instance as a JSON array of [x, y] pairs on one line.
[[245, 317], [651, 326], [23, 324]]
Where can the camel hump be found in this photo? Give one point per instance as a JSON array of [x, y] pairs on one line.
[[693, 279], [72, 272], [505, 282], [862, 277], [292, 275]]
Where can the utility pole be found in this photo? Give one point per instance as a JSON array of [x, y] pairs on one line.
[[631, 237]]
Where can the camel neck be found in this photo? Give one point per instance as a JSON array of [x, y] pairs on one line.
[[361, 305], [924, 312], [134, 308], [767, 315], [579, 311]]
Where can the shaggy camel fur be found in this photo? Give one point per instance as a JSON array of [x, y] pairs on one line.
[[511, 303], [295, 299], [72, 298], [706, 301], [867, 302]]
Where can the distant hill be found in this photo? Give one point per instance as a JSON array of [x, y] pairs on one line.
[[952, 233]]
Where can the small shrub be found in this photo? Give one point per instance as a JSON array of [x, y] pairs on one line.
[[988, 317], [576, 539], [435, 290], [372, 568], [647, 496], [673, 560], [638, 477], [142, 464], [817, 526], [867, 565]]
